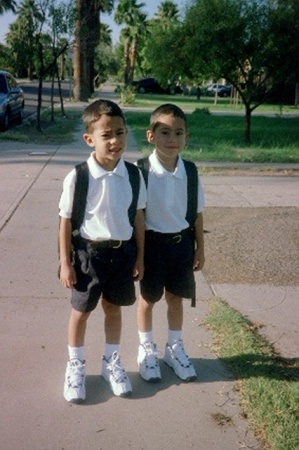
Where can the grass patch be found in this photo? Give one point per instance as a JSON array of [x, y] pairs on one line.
[[223, 104], [220, 138], [267, 384], [58, 132]]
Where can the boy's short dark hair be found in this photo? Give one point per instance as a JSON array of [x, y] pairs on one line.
[[95, 110], [167, 108]]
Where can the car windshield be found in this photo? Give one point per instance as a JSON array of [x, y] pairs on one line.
[[3, 86]]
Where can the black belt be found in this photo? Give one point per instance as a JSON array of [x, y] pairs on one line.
[[104, 244], [168, 238]]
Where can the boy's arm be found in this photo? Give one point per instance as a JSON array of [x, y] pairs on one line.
[[199, 256], [139, 236], [67, 272]]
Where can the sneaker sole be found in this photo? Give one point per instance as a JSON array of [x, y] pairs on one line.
[[151, 380], [186, 380], [123, 394]]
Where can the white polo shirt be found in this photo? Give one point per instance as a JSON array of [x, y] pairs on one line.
[[167, 197], [108, 200]]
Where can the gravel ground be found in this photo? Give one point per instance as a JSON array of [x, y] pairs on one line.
[[252, 245]]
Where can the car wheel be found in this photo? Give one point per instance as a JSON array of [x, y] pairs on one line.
[[20, 116], [141, 90], [6, 121]]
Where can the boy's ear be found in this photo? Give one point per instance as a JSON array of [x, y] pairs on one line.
[[88, 139], [150, 136]]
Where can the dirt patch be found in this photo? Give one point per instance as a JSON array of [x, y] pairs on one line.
[[252, 245]]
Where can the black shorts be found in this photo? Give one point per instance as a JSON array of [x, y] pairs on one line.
[[106, 272], [168, 267]]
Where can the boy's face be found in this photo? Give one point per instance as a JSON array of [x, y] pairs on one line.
[[109, 139], [169, 137]]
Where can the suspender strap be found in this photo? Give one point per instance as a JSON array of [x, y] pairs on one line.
[[192, 189], [80, 197], [143, 165], [134, 178]]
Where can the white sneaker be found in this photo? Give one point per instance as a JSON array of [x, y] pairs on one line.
[[115, 374], [176, 358], [74, 383], [148, 362]]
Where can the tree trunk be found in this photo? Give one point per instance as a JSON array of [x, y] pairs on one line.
[[127, 62], [297, 94], [81, 75], [247, 124], [133, 57]]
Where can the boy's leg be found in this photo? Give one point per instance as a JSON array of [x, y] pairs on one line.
[[77, 328], [174, 311], [147, 359], [112, 370], [175, 355], [74, 385]]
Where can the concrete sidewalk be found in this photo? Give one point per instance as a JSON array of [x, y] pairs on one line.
[[35, 312]]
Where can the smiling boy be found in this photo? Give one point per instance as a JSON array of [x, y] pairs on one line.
[[171, 232]]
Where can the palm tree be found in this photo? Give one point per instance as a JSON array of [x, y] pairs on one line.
[[167, 13], [129, 13], [7, 5]]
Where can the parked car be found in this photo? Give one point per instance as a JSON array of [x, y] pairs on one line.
[[212, 88], [11, 100], [221, 89], [148, 85], [225, 91]]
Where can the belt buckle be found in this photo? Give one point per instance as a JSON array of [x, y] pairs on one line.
[[117, 245], [177, 239]]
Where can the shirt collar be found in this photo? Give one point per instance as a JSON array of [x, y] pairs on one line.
[[97, 171], [157, 167]]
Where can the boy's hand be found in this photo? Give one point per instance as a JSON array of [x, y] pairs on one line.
[[138, 270], [199, 261], [67, 276]]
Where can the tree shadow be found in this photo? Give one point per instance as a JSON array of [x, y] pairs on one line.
[[253, 365]]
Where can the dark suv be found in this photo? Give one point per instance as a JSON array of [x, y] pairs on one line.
[[11, 100], [148, 85]]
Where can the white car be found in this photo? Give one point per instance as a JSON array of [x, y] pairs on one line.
[[11, 100]]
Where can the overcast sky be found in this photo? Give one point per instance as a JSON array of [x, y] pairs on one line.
[[150, 8]]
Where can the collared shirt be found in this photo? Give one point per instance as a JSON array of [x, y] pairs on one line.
[[108, 200], [167, 197]]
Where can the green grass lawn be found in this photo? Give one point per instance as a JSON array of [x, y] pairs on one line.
[[267, 384]]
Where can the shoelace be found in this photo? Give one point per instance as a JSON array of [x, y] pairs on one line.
[[179, 353], [151, 354], [116, 369], [76, 376]]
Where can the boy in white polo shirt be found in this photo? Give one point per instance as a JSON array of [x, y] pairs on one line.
[[106, 256], [170, 254]]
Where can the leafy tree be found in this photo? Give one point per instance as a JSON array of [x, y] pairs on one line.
[[21, 37], [129, 12], [240, 40], [162, 47], [7, 5]]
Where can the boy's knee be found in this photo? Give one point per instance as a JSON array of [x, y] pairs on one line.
[[110, 309]]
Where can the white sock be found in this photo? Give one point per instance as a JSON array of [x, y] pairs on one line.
[[145, 336], [173, 336], [110, 349], [76, 352]]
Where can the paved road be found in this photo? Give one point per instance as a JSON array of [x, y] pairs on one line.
[[35, 311]]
